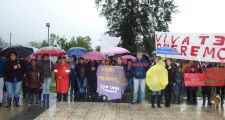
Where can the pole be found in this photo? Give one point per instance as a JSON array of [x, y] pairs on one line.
[[48, 36], [10, 39]]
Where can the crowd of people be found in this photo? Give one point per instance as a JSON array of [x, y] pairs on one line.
[[76, 79]]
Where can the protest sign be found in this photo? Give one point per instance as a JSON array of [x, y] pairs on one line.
[[111, 81], [204, 47], [210, 77]]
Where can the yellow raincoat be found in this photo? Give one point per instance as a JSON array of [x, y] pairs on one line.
[[157, 77]]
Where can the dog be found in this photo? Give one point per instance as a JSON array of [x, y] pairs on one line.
[[216, 101]]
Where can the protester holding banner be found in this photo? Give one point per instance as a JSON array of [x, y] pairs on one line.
[[62, 72], [139, 69], [221, 89], [91, 70], [191, 68], [206, 90], [129, 75]]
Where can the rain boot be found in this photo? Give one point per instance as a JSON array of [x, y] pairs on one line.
[[59, 97], [17, 101], [65, 97], [9, 102], [153, 101], [47, 100], [158, 101]]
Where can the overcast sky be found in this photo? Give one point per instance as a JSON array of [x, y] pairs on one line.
[[26, 19]]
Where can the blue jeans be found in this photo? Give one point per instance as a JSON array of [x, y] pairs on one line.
[[46, 85], [81, 82], [72, 85], [139, 83], [13, 88]]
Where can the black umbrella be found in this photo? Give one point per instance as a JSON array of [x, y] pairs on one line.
[[22, 52]]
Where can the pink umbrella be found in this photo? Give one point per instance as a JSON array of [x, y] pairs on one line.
[[127, 57], [94, 56], [116, 50], [51, 51], [32, 56]]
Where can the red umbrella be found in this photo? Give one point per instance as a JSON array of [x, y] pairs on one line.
[[51, 51], [94, 56]]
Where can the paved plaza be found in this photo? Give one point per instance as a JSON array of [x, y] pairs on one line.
[[126, 111]]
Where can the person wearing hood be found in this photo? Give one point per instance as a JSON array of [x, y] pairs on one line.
[[62, 72]]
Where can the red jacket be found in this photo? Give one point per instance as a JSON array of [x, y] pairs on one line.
[[62, 77]]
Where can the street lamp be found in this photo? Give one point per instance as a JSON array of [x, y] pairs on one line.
[[48, 25]]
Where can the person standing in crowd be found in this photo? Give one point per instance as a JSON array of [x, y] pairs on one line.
[[206, 90], [73, 78], [191, 68], [47, 68], [129, 75], [91, 70], [139, 69], [221, 89], [179, 84], [171, 78], [62, 72], [13, 71], [1, 81], [81, 75], [33, 81], [156, 94]]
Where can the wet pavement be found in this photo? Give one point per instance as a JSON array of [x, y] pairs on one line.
[[126, 111]]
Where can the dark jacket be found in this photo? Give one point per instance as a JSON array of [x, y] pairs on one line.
[[80, 70], [10, 74], [45, 66], [171, 74], [34, 77], [139, 69], [92, 76], [128, 72]]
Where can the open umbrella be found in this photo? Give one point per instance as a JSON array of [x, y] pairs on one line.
[[166, 51], [128, 57], [115, 51], [22, 51], [94, 56], [51, 51], [77, 51]]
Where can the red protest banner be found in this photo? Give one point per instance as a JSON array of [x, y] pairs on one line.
[[211, 77], [194, 79], [215, 77]]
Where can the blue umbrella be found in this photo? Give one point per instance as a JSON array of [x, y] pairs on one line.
[[166, 51], [77, 51]]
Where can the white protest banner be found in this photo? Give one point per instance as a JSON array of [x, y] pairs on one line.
[[206, 47]]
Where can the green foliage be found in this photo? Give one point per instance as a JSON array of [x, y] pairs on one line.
[[136, 21], [62, 42]]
